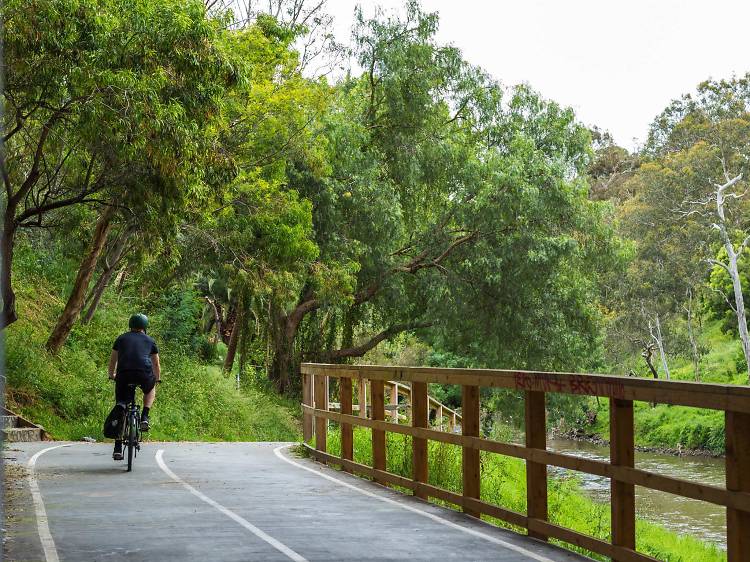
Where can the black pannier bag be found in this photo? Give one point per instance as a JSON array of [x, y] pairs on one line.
[[113, 424]]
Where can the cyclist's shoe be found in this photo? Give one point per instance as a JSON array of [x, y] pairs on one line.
[[145, 425], [117, 454]]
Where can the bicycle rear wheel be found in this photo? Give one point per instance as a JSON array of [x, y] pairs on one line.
[[132, 439]]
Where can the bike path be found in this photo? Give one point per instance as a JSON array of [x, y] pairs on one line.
[[223, 501]]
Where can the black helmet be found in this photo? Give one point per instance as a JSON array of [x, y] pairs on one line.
[[138, 322]]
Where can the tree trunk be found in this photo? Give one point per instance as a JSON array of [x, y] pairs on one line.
[[107, 273], [660, 344], [96, 294], [283, 334], [7, 243], [217, 317], [228, 325], [281, 364], [234, 339], [739, 300], [75, 302], [121, 278], [691, 335], [647, 353], [731, 268]]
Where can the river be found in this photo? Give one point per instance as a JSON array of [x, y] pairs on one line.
[[685, 516]]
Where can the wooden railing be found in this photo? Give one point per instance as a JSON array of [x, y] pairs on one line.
[[621, 391], [444, 416]]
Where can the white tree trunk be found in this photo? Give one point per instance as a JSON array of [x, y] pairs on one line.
[[691, 335], [739, 307], [660, 344], [731, 268]]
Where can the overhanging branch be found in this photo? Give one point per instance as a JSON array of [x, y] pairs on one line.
[[360, 350]]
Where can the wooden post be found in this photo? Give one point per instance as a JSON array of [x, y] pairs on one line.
[[394, 401], [362, 397], [420, 463], [377, 398], [469, 456], [622, 453], [738, 480], [328, 395], [536, 473], [452, 422], [347, 436], [307, 400], [321, 403], [439, 417]]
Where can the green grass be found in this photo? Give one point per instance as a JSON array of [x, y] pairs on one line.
[[722, 364], [670, 427], [70, 394], [504, 484]]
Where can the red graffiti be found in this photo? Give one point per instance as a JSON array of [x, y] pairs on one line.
[[575, 384]]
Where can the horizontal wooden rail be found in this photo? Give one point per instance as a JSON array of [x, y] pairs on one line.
[[622, 391], [681, 393], [677, 486]]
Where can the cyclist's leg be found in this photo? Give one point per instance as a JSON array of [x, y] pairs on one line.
[[117, 453], [148, 386]]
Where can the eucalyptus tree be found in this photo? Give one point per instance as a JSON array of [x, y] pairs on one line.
[[252, 233], [701, 152], [444, 208], [102, 108]]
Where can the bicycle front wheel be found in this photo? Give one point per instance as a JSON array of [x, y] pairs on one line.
[[132, 440]]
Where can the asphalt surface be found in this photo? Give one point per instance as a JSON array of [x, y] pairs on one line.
[[230, 502]]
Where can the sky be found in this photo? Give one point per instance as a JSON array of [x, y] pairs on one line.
[[616, 63]]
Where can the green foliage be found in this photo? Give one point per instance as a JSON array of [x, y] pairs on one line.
[[719, 301], [131, 119], [679, 236], [175, 321], [460, 204], [70, 394]]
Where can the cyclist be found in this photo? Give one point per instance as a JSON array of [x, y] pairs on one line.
[[134, 360]]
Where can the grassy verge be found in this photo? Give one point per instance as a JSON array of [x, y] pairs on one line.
[[70, 394], [670, 427], [504, 484]]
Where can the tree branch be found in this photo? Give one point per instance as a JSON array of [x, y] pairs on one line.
[[39, 211], [33, 175], [719, 263], [360, 350]]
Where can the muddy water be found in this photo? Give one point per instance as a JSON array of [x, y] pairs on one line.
[[682, 515]]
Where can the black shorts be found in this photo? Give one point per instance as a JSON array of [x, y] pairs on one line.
[[123, 393]]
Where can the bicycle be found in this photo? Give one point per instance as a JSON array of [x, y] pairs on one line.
[[131, 429]]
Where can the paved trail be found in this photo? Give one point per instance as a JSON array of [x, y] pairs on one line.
[[230, 502]]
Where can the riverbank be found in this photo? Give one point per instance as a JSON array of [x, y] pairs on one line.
[[595, 439], [504, 484], [663, 428]]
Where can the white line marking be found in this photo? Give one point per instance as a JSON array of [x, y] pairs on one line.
[[42, 524], [436, 518], [281, 547]]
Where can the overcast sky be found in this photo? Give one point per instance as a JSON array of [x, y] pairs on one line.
[[617, 64]]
